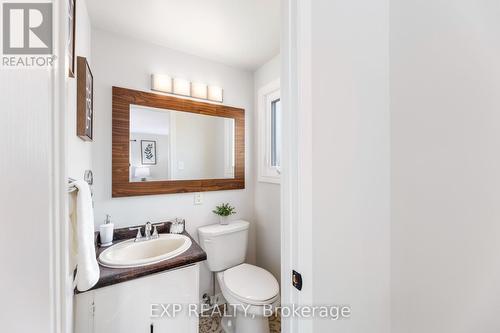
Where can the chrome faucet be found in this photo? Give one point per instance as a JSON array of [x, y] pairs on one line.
[[155, 231], [147, 232]]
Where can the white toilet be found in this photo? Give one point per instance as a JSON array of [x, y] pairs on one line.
[[244, 286]]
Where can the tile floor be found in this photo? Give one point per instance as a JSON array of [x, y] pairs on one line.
[[212, 324]]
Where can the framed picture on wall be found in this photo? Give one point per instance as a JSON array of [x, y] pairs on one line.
[[148, 152], [71, 37], [84, 100]]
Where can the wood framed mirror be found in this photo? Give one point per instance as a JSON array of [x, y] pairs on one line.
[[164, 144]]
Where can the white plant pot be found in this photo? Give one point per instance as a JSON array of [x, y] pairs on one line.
[[224, 220]]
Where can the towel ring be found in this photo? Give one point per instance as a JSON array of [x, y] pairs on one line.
[[88, 177]]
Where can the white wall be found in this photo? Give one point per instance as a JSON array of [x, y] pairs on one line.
[[267, 195], [79, 152], [351, 162], [445, 101], [120, 61], [199, 146]]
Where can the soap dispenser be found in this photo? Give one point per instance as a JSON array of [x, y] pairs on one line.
[[106, 231]]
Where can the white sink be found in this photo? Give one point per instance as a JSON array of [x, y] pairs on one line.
[[135, 254]]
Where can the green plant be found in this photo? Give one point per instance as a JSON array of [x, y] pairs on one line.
[[224, 210]]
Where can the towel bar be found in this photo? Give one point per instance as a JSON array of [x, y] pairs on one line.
[[88, 177]]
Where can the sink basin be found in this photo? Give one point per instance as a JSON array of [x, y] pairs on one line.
[[135, 254]]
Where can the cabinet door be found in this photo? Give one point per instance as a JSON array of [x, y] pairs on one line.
[[84, 312], [127, 307]]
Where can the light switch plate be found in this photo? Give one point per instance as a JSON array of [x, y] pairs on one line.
[[198, 198]]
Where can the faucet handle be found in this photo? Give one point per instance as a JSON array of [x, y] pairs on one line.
[[139, 234], [155, 231], [147, 229]]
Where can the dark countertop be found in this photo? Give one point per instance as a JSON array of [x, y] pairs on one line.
[[110, 276]]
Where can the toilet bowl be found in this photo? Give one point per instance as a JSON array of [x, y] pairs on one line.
[[251, 292]]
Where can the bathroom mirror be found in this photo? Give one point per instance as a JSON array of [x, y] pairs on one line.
[[165, 144], [175, 145]]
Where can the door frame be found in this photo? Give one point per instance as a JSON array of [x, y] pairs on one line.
[[296, 192], [296, 181], [61, 288]]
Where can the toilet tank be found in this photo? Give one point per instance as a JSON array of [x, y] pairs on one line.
[[225, 245]]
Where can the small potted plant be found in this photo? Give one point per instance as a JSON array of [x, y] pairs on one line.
[[224, 211]]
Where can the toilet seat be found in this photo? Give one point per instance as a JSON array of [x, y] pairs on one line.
[[250, 284]]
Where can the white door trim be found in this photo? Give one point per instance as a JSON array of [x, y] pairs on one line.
[[296, 189], [61, 287]]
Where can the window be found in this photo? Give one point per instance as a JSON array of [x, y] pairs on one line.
[[269, 133], [276, 133]]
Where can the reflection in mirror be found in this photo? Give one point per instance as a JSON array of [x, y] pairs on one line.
[[175, 145]]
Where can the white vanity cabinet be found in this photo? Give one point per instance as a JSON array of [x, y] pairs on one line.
[[127, 307]]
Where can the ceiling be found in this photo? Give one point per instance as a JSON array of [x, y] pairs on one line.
[[239, 33]]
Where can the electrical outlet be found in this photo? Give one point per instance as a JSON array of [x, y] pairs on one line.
[[198, 198]]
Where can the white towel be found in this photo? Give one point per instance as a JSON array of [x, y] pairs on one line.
[[87, 272]]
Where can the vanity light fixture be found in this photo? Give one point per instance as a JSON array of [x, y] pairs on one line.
[[199, 90], [161, 83], [215, 94], [182, 87]]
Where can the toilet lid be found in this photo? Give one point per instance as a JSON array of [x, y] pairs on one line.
[[251, 283]]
